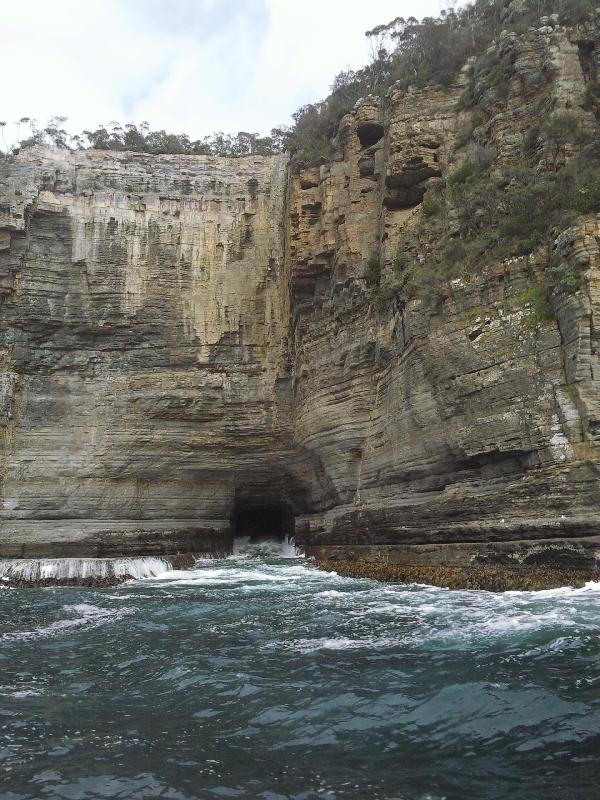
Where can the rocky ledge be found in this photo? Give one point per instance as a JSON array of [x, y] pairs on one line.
[[492, 579]]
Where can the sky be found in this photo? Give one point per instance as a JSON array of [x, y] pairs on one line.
[[193, 66]]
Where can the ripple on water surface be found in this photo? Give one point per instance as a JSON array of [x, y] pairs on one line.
[[260, 677]]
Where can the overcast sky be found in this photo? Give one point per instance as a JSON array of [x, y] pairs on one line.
[[194, 66]]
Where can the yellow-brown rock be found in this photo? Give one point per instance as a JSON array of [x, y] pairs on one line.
[[186, 338]]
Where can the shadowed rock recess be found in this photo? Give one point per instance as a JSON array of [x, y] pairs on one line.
[[188, 340]]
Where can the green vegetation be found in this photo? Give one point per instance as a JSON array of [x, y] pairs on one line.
[[531, 141], [402, 276], [559, 131], [374, 274], [420, 53], [540, 298], [465, 133], [140, 139], [491, 215], [592, 96], [431, 205], [404, 53], [521, 209]]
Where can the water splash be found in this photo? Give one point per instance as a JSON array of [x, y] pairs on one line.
[[34, 570], [244, 548]]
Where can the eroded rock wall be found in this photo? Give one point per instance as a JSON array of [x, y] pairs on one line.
[[144, 323], [181, 335], [459, 432]]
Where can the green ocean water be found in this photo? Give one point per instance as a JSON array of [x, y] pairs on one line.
[[260, 677]]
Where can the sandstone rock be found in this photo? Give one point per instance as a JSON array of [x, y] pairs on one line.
[[183, 338], [143, 342]]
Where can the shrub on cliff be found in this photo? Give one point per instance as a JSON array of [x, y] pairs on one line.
[[374, 274], [575, 12], [419, 53], [560, 131]]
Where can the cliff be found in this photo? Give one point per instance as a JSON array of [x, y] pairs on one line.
[[458, 428], [144, 324], [188, 340]]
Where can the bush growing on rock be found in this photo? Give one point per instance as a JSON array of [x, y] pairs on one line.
[[374, 273], [418, 53]]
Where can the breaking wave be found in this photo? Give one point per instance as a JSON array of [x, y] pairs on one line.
[[34, 570], [245, 548]]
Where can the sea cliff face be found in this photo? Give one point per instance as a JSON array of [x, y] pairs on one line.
[[144, 324], [460, 431], [187, 338]]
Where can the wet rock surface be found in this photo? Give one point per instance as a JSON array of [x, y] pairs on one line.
[[492, 579]]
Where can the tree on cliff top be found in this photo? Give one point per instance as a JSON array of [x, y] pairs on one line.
[[140, 139], [404, 53], [417, 53]]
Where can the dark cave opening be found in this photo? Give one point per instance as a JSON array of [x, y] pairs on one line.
[[369, 133], [262, 522]]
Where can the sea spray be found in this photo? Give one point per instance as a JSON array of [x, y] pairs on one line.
[[41, 570], [244, 547]]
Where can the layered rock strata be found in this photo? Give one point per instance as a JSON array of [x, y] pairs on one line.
[[188, 340], [460, 433], [144, 339]]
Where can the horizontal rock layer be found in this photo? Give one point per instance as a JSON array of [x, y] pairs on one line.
[[143, 343], [188, 340], [459, 432]]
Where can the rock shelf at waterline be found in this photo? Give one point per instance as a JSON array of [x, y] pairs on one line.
[[102, 572], [81, 571], [491, 578]]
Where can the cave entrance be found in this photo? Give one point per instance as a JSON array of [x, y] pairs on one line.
[[260, 522]]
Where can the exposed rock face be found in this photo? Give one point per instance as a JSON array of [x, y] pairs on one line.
[[466, 425], [186, 336], [144, 332], [464, 433]]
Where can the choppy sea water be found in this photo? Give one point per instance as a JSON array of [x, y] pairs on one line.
[[260, 677]]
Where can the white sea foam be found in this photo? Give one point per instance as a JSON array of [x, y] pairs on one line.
[[591, 586], [227, 576], [20, 691], [332, 594], [78, 616], [39, 569], [244, 549], [337, 643]]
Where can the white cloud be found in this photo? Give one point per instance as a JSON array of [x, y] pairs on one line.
[[184, 65]]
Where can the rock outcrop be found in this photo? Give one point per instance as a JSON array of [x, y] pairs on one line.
[[185, 340], [144, 344], [460, 433]]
